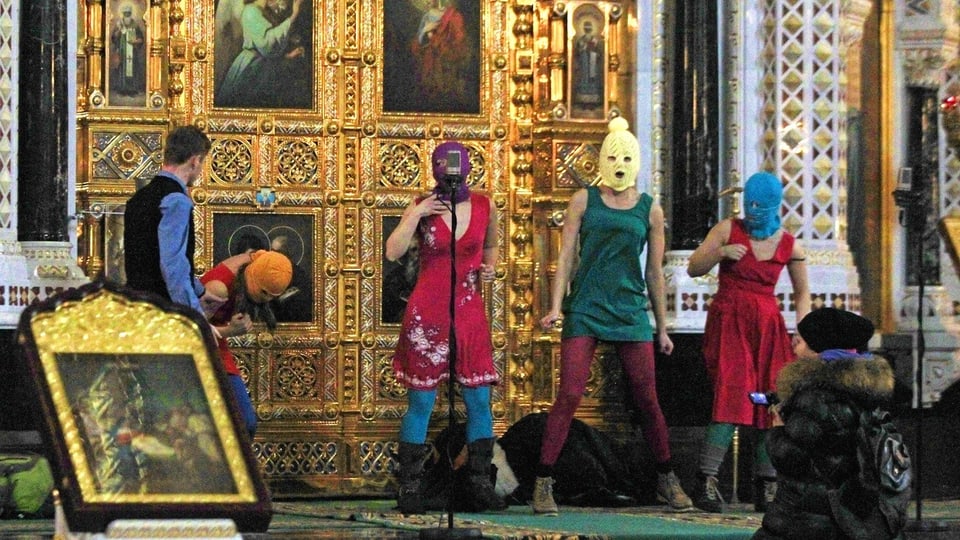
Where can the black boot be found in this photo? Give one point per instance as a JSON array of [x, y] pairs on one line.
[[482, 495], [412, 458], [764, 492]]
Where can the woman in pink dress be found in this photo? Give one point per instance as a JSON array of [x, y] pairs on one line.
[[421, 359], [745, 341]]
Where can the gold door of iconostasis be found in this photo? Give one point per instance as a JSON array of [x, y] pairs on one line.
[[323, 115]]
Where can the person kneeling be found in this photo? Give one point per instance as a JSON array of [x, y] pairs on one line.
[[832, 481]]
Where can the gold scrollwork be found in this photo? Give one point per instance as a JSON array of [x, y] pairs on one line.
[[298, 161], [231, 161], [400, 165]]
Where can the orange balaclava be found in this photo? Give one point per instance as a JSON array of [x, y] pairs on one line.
[[269, 271]]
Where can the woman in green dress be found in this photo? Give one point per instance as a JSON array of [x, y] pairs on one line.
[[612, 223]]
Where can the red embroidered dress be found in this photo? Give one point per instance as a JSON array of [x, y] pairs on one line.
[[745, 341], [420, 360]]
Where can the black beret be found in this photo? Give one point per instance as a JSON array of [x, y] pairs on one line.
[[829, 328]]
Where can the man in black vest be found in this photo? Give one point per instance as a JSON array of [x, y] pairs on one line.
[[158, 233]]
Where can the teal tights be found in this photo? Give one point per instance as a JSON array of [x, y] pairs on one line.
[[413, 427], [714, 449]]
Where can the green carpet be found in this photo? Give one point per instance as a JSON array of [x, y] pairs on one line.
[[518, 522], [377, 518]]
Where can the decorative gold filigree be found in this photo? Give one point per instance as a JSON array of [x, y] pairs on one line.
[[297, 161]]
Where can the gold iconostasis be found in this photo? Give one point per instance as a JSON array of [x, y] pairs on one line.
[[323, 115]]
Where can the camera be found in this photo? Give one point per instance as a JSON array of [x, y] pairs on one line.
[[764, 399]]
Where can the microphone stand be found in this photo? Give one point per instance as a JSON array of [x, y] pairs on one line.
[[452, 183], [914, 202]]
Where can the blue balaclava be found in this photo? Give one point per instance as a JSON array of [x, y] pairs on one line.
[[761, 198]]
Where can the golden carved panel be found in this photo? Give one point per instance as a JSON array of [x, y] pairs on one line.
[[332, 139]]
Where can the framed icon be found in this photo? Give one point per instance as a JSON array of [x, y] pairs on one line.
[[138, 412]]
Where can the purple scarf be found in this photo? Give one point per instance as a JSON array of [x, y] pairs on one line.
[[830, 355]]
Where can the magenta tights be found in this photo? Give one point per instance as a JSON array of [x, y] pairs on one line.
[[636, 357]]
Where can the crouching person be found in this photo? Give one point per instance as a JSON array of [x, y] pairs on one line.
[[832, 480]]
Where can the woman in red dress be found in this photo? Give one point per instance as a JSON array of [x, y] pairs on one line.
[[421, 359], [745, 341]]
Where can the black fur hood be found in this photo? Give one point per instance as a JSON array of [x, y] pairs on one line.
[[867, 377]]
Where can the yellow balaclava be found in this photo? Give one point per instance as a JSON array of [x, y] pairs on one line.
[[619, 156]]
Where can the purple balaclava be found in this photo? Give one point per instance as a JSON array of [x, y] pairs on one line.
[[440, 170]]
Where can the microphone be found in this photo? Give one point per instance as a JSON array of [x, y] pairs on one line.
[[453, 176]]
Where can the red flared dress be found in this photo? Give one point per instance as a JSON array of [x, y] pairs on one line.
[[421, 358], [745, 341]]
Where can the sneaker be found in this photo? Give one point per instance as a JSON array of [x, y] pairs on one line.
[[670, 492], [766, 492], [543, 497], [711, 500]]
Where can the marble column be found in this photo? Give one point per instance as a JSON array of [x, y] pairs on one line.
[[43, 180], [36, 149], [798, 70]]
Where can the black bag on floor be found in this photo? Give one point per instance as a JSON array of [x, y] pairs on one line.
[[26, 486]]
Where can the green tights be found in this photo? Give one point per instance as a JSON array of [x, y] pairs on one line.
[[714, 449]]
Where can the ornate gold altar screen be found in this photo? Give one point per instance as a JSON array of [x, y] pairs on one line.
[[320, 141]]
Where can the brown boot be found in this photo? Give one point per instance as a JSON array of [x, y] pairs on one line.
[[543, 497], [669, 491], [412, 457]]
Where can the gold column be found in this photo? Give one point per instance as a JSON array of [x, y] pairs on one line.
[[95, 47]]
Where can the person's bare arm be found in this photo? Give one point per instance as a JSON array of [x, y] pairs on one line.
[[714, 249], [488, 268], [238, 324], [399, 240], [656, 285], [567, 257], [797, 268]]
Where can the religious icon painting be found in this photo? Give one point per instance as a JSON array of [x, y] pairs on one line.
[[290, 234], [139, 419], [431, 56], [588, 66], [126, 38], [263, 54]]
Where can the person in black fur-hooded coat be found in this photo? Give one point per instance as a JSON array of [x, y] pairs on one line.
[[826, 396]]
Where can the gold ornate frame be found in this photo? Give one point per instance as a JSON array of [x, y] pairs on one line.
[[329, 409], [113, 370]]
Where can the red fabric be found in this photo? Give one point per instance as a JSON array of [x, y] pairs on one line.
[[222, 317], [637, 359], [420, 360], [442, 56], [745, 341]]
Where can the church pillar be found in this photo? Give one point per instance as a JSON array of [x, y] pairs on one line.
[[800, 72], [43, 121], [805, 134], [36, 254], [926, 66], [36, 259]]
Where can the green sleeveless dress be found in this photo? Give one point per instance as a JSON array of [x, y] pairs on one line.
[[607, 298]]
